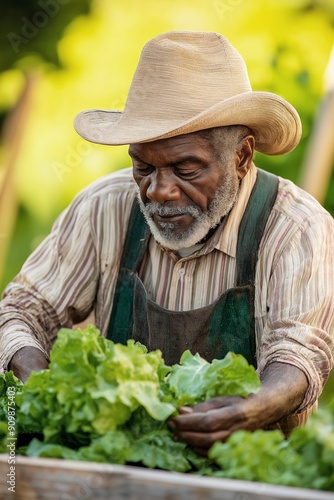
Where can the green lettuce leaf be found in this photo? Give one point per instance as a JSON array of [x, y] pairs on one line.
[[195, 380], [152, 444], [314, 442], [112, 448], [92, 386], [107, 402], [8, 381], [37, 448], [263, 456]]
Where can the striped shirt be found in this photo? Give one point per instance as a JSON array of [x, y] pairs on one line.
[[74, 272]]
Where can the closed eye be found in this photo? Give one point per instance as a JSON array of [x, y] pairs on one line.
[[142, 168], [186, 175]]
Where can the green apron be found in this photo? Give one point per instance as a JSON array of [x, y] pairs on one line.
[[225, 325]]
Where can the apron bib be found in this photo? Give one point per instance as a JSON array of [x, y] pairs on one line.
[[225, 325]]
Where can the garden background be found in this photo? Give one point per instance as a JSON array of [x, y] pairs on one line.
[[58, 57]]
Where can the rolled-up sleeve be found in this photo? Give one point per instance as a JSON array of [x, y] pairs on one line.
[[299, 326]]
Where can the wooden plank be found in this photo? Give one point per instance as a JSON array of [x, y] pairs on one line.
[[53, 479]]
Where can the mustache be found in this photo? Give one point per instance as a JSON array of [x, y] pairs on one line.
[[154, 208]]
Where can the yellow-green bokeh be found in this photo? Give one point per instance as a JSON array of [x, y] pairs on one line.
[[283, 42], [99, 53]]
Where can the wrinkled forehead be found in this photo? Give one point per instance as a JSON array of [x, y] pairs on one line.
[[173, 149]]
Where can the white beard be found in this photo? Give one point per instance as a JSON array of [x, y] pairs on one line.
[[165, 233]]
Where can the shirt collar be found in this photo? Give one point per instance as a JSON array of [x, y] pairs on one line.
[[228, 239]]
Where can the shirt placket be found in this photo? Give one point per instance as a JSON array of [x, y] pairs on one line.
[[180, 289]]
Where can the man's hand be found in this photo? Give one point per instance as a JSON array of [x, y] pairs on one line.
[[282, 390], [215, 420], [26, 360]]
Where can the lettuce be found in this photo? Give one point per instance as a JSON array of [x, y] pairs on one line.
[[305, 460], [109, 402], [263, 456], [195, 380], [106, 402], [92, 386]]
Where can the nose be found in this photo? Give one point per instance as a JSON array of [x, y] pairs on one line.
[[162, 188]]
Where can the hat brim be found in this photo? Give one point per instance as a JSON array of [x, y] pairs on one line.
[[275, 123]]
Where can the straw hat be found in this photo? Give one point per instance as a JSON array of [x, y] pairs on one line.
[[188, 81]]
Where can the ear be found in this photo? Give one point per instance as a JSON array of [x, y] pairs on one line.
[[245, 156]]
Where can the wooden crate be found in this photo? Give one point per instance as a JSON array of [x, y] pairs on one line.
[[53, 479]]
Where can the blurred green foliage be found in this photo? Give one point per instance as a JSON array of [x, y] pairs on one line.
[[35, 27], [85, 53]]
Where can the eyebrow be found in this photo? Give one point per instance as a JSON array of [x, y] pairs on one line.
[[173, 164]]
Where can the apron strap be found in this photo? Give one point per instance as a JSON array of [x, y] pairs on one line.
[[252, 225], [136, 240]]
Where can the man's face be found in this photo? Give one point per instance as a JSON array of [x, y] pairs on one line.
[[183, 190]]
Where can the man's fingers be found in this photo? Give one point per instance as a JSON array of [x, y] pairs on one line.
[[202, 441], [214, 403], [204, 424], [189, 422], [211, 421], [185, 410]]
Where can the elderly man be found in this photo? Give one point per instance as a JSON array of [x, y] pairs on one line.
[[194, 247]]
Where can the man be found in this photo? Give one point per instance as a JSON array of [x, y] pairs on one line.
[[228, 257]]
